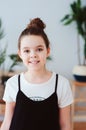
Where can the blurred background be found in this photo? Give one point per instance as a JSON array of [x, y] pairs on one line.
[[15, 16]]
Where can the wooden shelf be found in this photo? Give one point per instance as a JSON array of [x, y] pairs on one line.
[[79, 105], [77, 84]]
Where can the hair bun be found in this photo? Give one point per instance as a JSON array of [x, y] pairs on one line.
[[37, 23]]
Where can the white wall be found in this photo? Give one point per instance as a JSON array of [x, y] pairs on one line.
[[16, 14]]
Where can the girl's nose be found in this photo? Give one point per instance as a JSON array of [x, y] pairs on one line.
[[33, 54]]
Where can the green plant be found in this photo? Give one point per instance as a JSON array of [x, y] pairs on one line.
[[15, 61], [78, 15], [2, 56], [1, 30], [2, 51]]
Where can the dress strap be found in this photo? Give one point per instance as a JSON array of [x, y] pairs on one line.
[[56, 83], [19, 82]]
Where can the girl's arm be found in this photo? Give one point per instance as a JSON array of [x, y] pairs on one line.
[[65, 118], [9, 109]]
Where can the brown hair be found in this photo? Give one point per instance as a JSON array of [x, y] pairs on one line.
[[35, 27]]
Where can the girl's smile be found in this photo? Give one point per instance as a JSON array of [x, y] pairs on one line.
[[34, 62]]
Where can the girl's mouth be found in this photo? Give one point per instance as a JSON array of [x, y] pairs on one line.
[[33, 62]]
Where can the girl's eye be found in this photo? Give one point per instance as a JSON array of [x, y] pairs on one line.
[[39, 49], [26, 51]]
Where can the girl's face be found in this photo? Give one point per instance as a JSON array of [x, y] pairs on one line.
[[33, 52]]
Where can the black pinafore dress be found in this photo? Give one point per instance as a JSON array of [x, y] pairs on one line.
[[35, 115]]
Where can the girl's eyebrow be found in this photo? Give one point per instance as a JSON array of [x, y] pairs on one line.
[[40, 46], [34, 47], [25, 47]]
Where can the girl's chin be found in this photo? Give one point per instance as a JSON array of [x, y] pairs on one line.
[[34, 68]]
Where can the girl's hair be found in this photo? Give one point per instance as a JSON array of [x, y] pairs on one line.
[[35, 27]]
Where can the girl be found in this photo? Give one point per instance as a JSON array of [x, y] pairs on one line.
[[37, 99]]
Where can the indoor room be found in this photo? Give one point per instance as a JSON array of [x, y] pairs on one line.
[[63, 23]]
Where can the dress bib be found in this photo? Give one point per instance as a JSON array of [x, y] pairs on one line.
[[35, 115]]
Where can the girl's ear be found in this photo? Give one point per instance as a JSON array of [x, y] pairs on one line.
[[48, 51], [19, 53]]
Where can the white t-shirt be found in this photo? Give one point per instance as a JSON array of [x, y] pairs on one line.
[[39, 91]]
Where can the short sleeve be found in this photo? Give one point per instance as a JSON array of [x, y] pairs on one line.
[[11, 90], [65, 93]]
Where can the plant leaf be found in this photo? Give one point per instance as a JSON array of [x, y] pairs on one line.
[[2, 56], [68, 21], [65, 17], [15, 60], [1, 30]]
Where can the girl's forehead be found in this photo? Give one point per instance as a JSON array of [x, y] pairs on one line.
[[32, 41]]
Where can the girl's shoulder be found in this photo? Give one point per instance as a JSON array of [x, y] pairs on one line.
[[13, 78], [63, 82], [61, 78]]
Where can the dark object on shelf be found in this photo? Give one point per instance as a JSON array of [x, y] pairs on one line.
[[80, 78], [4, 79]]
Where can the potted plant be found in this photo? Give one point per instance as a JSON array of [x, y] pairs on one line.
[[2, 51], [78, 15]]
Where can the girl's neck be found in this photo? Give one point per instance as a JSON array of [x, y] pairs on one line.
[[37, 77]]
